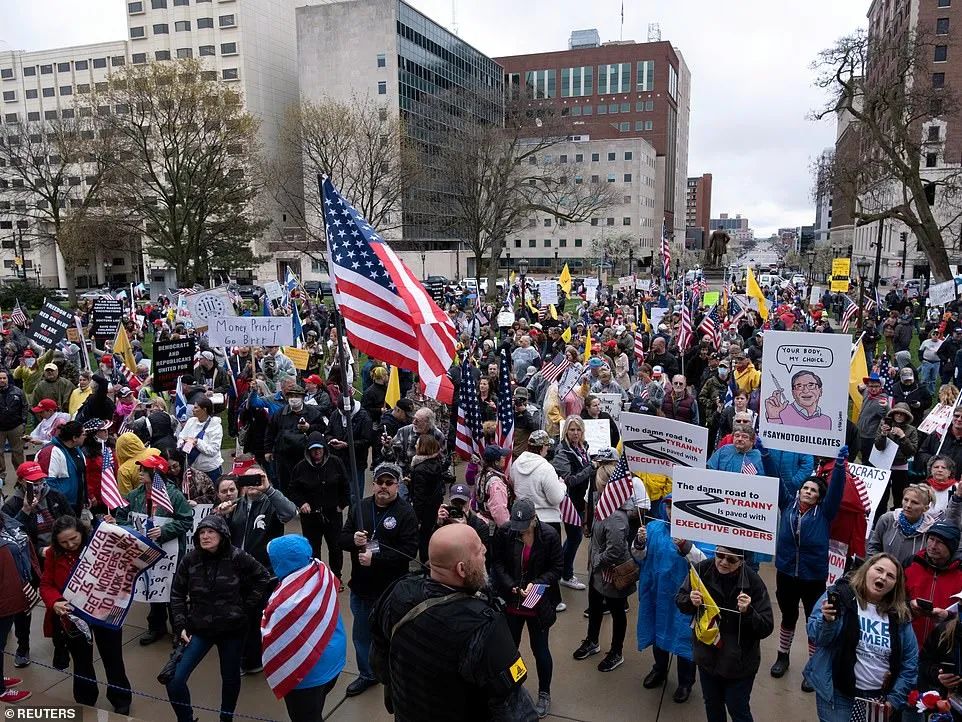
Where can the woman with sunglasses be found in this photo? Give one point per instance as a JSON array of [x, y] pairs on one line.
[[727, 670], [850, 664]]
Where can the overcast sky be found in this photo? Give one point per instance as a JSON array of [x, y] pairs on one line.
[[749, 60]]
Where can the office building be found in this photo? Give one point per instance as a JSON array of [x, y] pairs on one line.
[[823, 197], [697, 210]]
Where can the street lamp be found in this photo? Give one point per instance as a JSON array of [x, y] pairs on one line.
[[523, 269], [810, 255], [107, 266], [423, 275], [862, 265]]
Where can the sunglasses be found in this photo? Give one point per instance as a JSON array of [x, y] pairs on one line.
[[389, 482], [727, 558]]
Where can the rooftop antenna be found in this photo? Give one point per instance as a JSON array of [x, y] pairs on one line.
[[621, 33], [654, 33], [454, 16]]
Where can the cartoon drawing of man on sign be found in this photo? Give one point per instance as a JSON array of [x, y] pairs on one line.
[[804, 410]]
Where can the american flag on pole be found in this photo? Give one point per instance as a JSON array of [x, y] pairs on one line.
[[300, 618], [735, 310], [533, 596], [685, 333], [157, 493], [553, 369], [617, 491], [869, 710], [505, 407], [710, 326], [888, 383], [569, 515], [109, 492], [17, 316], [469, 440], [665, 253], [851, 308], [387, 313]]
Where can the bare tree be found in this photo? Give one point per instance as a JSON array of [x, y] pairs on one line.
[[883, 85]]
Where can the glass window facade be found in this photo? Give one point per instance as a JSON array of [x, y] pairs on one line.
[[646, 76], [614, 78], [577, 82]]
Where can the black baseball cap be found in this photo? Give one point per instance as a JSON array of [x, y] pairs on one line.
[[522, 512]]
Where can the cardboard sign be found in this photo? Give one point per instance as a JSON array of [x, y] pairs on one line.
[[872, 484], [718, 507], [251, 331], [941, 294], [804, 392], [200, 511], [643, 284], [938, 419], [610, 403], [200, 308], [50, 325], [106, 317], [273, 290], [883, 459], [154, 585], [505, 319], [101, 585], [841, 272], [662, 446], [548, 291], [298, 356], [837, 554], [597, 434], [710, 299], [172, 359], [815, 296], [626, 283]]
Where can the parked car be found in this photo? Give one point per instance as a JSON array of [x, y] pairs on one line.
[[443, 280]]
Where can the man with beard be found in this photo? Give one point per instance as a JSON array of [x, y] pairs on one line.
[[442, 652]]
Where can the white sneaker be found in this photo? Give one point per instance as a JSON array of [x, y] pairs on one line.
[[561, 607], [573, 583]]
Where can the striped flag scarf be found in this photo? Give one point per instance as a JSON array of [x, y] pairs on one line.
[[298, 623]]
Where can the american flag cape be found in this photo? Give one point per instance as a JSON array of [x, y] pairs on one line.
[[156, 494], [617, 491], [469, 439], [553, 369], [300, 618], [387, 313], [569, 515], [505, 407], [109, 492]]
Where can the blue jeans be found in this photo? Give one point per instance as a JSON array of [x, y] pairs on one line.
[[361, 634], [538, 638], [229, 650], [215, 474], [928, 375], [573, 537], [731, 694]]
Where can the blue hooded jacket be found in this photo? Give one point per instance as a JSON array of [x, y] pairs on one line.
[[728, 458], [288, 554], [792, 468]]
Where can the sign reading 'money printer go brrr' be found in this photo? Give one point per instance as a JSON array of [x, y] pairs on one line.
[[250, 331]]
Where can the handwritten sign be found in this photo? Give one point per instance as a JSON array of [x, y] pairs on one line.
[[938, 419], [610, 403], [273, 290], [941, 293], [626, 283], [662, 446], [155, 583], [251, 331], [837, 554], [172, 359], [101, 585], [737, 511]]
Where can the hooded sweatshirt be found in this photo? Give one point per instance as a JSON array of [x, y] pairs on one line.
[[129, 450], [534, 478]]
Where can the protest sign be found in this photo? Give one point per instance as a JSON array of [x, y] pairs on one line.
[[106, 318], [610, 403], [643, 284], [273, 290], [872, 484], [548, 291], [200, 511], [50, 325], [597, 434], [101, 585], [883, 458], [626, 283], [660, 445], [657, 316], [816, 295], [710, 299], [172, 359], [841, 269], [837, 554], [591, 289], [938, 419], [809, 417], [505, 319], [199, 308], [298, 356], [738, 511], [251, 331], [155, 583], [941, 294]]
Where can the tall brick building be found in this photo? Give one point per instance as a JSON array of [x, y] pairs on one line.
[[697, 211]]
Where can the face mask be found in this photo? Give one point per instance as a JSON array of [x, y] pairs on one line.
[[722, 372], [296, 403]]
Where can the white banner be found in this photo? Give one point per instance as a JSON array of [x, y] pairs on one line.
[[610, 403], [662, 446], [200, 308], [883, 459], [505, 319], [938, 419], [941, 294], [591, 289], [874, 483], [804, 393], [643, 284], [154, 584], [738, 511], [837, 554], [816, 295], [626, 283], [548, 291], [251, 331]]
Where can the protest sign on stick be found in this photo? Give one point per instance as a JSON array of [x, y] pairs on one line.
[[172, 359], [659, 445], [105, 319], [250, 331], [50, 325], [871, 483], [154, 585]]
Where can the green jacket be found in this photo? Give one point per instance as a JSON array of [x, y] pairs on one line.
[[181, 521]]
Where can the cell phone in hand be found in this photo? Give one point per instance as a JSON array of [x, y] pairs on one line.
[[834, 599], [248, 480], [925, 605]]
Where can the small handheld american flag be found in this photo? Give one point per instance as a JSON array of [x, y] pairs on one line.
[[157, 493], [109, 492], [552, 370], [749, 468], [533, 596], [617, 491], [869, 710], [17, 316]]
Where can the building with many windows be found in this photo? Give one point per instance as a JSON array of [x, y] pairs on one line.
[[697, 211]]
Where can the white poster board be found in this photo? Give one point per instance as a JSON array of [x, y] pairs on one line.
[[251, 331], [804, 393], [816, 295], [871, 484], [200, 511], [199, 308], [505, 319], [662, 446], [738, 511], [883, 459], [273, 290], [837, 554], [155, 583], [610, 403], [591, 289], [548, 291], [938, 419], [941, 294], [597, 434], [626, 283], [657, 316], [643, 284]]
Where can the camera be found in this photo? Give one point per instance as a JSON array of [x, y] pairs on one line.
[[454, 512]]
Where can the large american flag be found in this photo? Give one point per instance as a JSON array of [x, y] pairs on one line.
[[17, 316], [617, 491], [735, 310], [665, 253], [387, 312], [685, 333], [157, 494], [888, 383], [109, 492], [470, 437], [300, 618], [851, 308], [710, 326], [552, 370], [505, 406]]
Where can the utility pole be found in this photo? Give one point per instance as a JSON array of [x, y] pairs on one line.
[[878, 254], [904, 237]]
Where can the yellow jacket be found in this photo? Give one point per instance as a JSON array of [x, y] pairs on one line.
[[76, 400], [658, 485], [130, 449], [748, 380]]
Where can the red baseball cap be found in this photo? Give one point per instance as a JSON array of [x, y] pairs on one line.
[[314, 379], [45, 405], [240, 465], [156, 462], [107, 359], [31, 471]]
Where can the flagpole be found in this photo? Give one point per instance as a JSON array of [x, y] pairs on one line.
[[342, 382]]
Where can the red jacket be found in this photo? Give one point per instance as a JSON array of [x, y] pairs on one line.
[[925, 581], [850, 523], [94, 465], [12, 599], [56, 572]]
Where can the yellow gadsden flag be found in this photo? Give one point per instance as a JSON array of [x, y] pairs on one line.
[[565, 280], [566, 335], [754, 291], [708, 617], [393, 394], [645, 323], [588, 347], [857, 372], [122, 347]]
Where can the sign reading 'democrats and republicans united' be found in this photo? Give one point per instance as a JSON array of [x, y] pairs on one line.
[[101, 585], [872, 484], [737, 511], [172, 359], [659, 445], [804, 393], [251, 331]]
